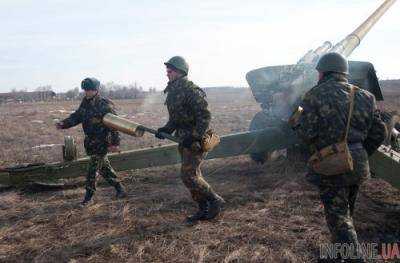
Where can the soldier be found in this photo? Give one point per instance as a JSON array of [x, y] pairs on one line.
[[189, 118], [99, 139], [322, 123]]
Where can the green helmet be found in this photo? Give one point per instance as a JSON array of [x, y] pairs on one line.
[[333, 62], [178, 63], [90, 84]]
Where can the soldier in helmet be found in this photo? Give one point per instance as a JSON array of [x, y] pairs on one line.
[[99, 139], [322, 123], [189, 118]]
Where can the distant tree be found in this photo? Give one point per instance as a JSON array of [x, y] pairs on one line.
[[152, 90], [72, 94], [105, 89], [114, 91], [44, 88]]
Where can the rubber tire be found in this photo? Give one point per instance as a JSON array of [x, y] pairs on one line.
[[69, 149], [259, 121]]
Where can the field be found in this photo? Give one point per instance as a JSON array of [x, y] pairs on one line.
[[272, 213]]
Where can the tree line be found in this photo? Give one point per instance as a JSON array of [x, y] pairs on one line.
[[113, 91]]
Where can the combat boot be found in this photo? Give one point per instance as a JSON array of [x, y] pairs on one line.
[[120, 191], [199, 215], [215, 205], [88, 198]]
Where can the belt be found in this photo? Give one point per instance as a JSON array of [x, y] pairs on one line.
[[356, 146]]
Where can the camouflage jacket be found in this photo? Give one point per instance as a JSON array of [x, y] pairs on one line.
[[187, 108], [97, 136], [324, 118], [326, 107]]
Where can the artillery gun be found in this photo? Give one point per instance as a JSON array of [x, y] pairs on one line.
[[278, 89]]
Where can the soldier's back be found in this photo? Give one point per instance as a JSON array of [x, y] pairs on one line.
[[333, 100]]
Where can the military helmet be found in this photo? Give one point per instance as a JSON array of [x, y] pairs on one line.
[[178, 63], [333, 62], [90, 84]]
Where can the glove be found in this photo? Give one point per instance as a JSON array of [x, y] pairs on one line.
[[159, 131], [59, 125], [187, 142], [113, 148]]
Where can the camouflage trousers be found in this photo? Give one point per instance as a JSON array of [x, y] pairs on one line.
[[339, 208], [100, 164], [191, 175]]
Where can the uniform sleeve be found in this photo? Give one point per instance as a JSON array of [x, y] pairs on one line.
[[115, 137], [73, 119], [170, 126], [376, 133], [307, 123], [201, 113]]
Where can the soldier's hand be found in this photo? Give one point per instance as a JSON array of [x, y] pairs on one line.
[[59, 125], [159, 136], [159, 131], [113, 148]]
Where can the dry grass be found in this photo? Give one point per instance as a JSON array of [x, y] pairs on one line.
[[272, 214], [28, 125], [262, 222]]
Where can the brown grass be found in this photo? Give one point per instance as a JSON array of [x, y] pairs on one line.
[[272, 213], [28, 125]]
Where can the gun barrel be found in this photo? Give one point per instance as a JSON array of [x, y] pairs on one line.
[[352, 41], [324, 48], [313, 55]]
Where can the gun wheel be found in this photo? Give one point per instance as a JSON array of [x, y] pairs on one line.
[[260, 121], [69, 149]]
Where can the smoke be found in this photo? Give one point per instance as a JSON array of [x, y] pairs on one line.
[[280, 88], [151, 100]]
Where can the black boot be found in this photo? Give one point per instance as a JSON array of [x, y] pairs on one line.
[[88, 198], [215, 204], [120, 191], [199, 215]]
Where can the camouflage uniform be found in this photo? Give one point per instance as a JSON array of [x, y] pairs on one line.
[[189, 117], [97, 139], [322, 123]]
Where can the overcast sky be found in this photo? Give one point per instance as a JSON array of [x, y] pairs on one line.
[[60, 42]]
